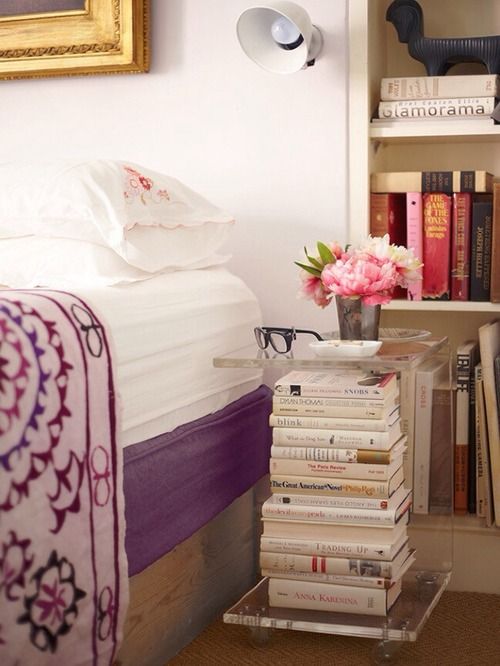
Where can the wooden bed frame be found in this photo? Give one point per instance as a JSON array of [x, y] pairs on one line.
[[180, 594]]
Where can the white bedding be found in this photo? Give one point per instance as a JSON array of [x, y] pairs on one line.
[[165, 332]]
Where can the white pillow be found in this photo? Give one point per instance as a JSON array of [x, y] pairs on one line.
[[151, 220], [63, 264]]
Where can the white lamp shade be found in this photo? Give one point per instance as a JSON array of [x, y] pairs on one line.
[[254, 30]]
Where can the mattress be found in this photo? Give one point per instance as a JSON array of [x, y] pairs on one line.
[[165, 332]]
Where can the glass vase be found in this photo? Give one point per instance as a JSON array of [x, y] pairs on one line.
[[356, 320]]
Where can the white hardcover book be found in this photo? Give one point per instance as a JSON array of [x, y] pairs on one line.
[[380, 551], [434, 87], [337, 470], [398, 504], [437, 107], [368, 581], [339, 501], [339, 439], [336, 487], [339, 455], [345, 407], [297, 529], [337, 384], [285, 593], [428, 375], [339, 566], [336, 423]]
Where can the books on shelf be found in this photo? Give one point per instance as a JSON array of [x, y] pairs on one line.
[[428, 87], [328, 597], [481, 247], [388, 216], [489, 347], [332, 469], [466, 359], [461, 246], [414, 237], [337, 384], [428, 376], [437, 107], [436, 246], [495, 247], [431, 181]]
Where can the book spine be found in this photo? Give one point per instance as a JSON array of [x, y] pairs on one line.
[[334, 455], [464, 368], [338, 548], [290, 483], [408, 422], [495, 247], [332, 579], [441, 479], [351, 390], [338, 566], [481, 250], [480, 477], [329, 514], [437, 246], [423, 425], [437, 107], [429, 87], [460, 246], [325, 500], [328, 423], [414, 230], [446, 182], [324, 596], [338, 439], [388, 216], [281, 466], [308, 406]]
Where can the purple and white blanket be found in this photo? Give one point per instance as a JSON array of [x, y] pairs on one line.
[[63, 569]]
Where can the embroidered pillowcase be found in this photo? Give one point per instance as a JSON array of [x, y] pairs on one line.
[[152, 221]]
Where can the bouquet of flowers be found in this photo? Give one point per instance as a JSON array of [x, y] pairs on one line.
[[370, 271]]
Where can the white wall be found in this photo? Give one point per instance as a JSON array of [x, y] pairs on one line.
[[269, 148]]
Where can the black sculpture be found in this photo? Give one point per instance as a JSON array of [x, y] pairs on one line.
[[438, 54]]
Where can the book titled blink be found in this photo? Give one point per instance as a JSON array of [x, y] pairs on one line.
[[337, 384]]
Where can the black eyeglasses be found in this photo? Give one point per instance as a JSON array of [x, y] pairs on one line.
[[280, 339]]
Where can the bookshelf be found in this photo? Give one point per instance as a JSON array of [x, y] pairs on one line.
[[431, 534], [376, 52]]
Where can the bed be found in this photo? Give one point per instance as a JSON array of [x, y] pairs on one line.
[[192, 441]]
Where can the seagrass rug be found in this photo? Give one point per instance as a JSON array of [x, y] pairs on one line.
[[463, 630]]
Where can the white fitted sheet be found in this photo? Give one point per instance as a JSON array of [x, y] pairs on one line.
[[165, 332]]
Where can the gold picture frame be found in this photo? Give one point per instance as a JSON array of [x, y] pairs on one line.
[[104, 36]]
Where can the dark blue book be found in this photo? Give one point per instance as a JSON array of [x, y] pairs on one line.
[[481, 236]]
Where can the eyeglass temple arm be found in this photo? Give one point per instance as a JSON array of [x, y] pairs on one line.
[[302, 330]]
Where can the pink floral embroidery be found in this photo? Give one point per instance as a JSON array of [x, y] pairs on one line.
[[138, 186]]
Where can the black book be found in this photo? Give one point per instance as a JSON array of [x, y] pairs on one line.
[[482, 227]]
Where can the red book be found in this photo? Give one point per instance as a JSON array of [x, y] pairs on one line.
[[437, 246], [461, 246], [388, 216], [414, 235]]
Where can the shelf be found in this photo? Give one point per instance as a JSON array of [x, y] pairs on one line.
[[443, 306], [394, 355], [433, 134], [406, 619]]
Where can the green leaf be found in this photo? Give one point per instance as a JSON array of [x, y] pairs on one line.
[[325, 253], [315, 262], [310, 269]]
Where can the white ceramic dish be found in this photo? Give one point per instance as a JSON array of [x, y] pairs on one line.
[[345, 348]]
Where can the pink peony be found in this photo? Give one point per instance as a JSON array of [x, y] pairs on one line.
[[365, 277], [313, 288]]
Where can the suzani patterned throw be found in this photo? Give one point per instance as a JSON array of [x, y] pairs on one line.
[[63, 569]]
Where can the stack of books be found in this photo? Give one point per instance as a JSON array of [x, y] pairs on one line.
[[468, 100], [335, 527]]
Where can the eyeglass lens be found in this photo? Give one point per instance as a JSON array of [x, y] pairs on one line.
[[279, 342]]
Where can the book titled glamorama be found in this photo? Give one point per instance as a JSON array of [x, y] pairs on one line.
[[437, 108]]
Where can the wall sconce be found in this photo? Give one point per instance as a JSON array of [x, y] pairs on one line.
[[279, 36]]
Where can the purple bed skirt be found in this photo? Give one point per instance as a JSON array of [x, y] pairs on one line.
[[177, 482]]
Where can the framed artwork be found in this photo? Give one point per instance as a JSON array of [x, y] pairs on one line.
[[67, 37]]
